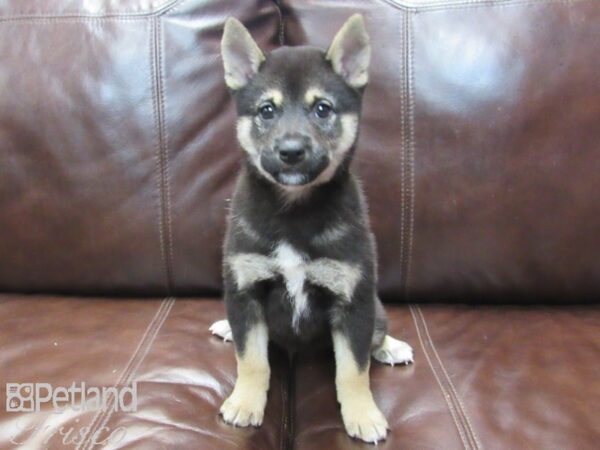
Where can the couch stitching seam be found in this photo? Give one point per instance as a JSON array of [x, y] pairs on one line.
[[445, 394], [402, 72], [165, 143], [134, 368], [475, 4], [469, 425], [78, 17], [173, 8], [158, 149], [162, 189], [281, 23], [94, 424], [100, 413], [411, 154]]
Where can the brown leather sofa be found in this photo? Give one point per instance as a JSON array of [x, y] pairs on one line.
[[480, 155]]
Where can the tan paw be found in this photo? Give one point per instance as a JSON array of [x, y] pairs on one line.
[[244, 410], [366, 424]]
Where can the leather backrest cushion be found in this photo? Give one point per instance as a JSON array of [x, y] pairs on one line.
[[480, 144], [117, 143]]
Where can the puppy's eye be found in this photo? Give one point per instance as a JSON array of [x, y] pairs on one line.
[[267, 111], [323, 109]]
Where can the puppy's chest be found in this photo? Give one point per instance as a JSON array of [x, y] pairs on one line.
[[297, 271]]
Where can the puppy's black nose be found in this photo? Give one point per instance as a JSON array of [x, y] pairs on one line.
[[292, 150]]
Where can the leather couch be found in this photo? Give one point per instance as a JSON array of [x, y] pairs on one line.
[[480, 155]]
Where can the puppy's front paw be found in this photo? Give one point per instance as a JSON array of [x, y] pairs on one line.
[[244, 410], [392, 351], [367, 424], [222, 329]]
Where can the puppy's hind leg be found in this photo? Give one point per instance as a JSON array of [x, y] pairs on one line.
[[387, 349]]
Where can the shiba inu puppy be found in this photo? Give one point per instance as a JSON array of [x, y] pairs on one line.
[[299, 256]]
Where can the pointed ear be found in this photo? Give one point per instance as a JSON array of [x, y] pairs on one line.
[[350, 52], [241, 55]]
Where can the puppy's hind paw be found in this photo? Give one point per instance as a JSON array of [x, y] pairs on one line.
[[392, 351], [222, 329]]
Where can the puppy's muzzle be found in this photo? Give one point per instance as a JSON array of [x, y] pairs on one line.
[[292, 150]]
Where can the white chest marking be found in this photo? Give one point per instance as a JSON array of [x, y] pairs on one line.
[[339, 277], [292, 266]]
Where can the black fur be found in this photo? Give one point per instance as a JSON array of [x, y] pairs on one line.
[[263, 205]]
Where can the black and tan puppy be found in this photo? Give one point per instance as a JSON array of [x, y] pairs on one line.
[[299, 256]]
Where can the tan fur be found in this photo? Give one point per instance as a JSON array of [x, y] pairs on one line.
[[246, 404], [243, 129], [313, 94], [337, 276], [248, 268], [349, 130], [362, 418], [273, 95]]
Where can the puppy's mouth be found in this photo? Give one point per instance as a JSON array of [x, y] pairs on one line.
[[291, 178], [297, 175]]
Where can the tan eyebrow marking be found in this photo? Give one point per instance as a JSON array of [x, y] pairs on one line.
[[313, 94], [273, 95]]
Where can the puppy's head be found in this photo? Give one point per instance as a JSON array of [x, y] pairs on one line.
[[298, 107]]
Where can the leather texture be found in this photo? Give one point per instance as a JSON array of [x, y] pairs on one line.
[[484, 377], [478, 148], [117, 143], [479, 145], [183, 373], [479, 152]]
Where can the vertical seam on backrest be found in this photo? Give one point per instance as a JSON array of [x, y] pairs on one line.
[[164, 220], [447, 398], [402, 72], [411, 152], [281, 34], [407, 152], [166, 156]]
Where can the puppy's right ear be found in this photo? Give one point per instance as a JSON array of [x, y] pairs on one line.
[[241, 55]]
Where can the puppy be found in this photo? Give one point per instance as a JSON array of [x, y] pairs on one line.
[[299, 256]]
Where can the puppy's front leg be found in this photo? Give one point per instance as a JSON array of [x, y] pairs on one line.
[[246, 404], [362, 418]]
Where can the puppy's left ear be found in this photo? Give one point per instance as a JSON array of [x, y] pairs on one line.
[[350, 52], [241, 55]]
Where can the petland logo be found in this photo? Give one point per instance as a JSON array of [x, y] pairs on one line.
[[29, 397]]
